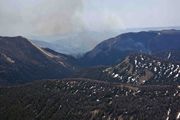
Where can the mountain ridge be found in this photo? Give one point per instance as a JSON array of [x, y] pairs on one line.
[[23, 61], [115, 49]]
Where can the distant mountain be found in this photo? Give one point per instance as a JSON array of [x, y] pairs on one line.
[[56, 46], [115, 49], [138, 69], [85, 99], [75, 44], [21, 61]]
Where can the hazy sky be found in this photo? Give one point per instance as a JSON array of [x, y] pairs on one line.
[[44, 18]]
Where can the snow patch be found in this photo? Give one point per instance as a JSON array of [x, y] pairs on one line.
[[177, 75], [169, 55], [155, 69], [178, 116], [168, 113], [116, 75]]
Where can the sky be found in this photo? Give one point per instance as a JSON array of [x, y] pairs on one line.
[[53, 19]]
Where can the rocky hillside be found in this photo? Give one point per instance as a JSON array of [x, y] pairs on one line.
[[115, 49], [21, 61], [145, 69], [136, 69], [84, 99]]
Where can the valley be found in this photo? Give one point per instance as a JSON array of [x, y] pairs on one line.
[[134, 76]]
